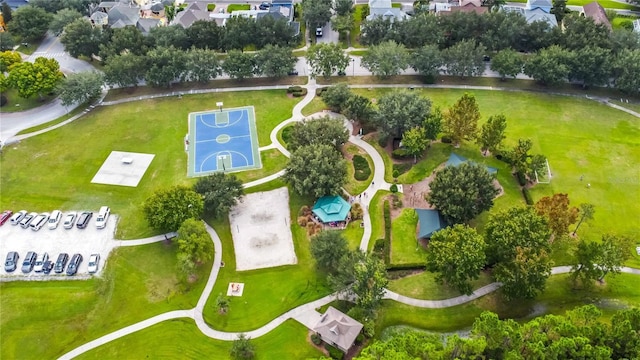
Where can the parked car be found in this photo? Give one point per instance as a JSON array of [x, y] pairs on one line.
[[83, 219], [5, 216], [61, 263], [72, 269], [29, 261], [46, 268], [319, 32], [94, 260], [69, 220], [24, 223], [54, 219], [15, 219], [11, 262], [293, 73], [37, 223], [264, 6], [103, 216], [40, 262]]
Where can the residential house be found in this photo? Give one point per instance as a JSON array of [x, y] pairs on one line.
[[338, 329], [533, 15], [636, 25], [121, 14], [384, 9], [282, 9], [461, 6], [596, 12], [544, 5], [152, 11], [195, 11]]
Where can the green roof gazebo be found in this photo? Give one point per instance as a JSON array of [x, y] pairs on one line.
[[455, 160], [331, 209], [430, 221]]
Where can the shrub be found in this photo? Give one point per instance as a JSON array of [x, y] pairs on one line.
[[393, 188], [500, 157], [446, 140], [304, 211], [357, 313], [401, 153], [383, 140], [369, 328], [359, 339], [401, 169], [316, 339], [527, 196], [387, 232], [397, 203], [320, 91], [379, 245], [333, 352], [361, 167], [522, 180], [3, 100], [297, 91], [356, 212], [396, 172], [211, 7], [302, 220], [286, 134]]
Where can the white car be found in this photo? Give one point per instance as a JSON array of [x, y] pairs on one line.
[[40, 262], [94, 260], [54, 219], [15, 219], [103, 216], [37, 223], [69, 220]]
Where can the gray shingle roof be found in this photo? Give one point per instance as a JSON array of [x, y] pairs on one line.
[[338, 329]]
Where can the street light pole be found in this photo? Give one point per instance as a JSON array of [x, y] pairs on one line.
[[353, 67]]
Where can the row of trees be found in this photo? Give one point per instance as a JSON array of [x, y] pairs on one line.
[[581, 333], [163, 66]]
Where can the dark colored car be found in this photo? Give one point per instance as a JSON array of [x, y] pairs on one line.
[[264, 6], [47, 267], [11, 263], [61, 263], [5, 216], [293, 73], [29, 261], [72, 269], [486, 58], [83, 219]]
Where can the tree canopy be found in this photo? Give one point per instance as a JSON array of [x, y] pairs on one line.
[[461, 119], [456, 255], [386, 59], [80, 87], [336, 96], [492, 133], [194, 245], [399, 111], [594, 260], [220, 192], [320, 131], [328, 248], [80, 38], [462, 192], [275, 61], [30, 23], [558, 213], [38, 78], [327, 59], [316, 170], [167, 209]]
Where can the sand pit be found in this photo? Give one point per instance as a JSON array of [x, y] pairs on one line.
[[260, 226]]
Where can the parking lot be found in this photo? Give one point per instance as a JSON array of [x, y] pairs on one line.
[[71, 241]]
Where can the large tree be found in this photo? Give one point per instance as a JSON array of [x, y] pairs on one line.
[[492, 133], [512, 228], [165, 66], [558, 213], [462, 192], [38, 78], [336, 96], [80, 87], [239, 32], [316, 12], [399, 111], [123, 41], [327, 59], [167, 36], [461, 119], [80, 38], [524, 162], [560, 10], [550, 66], [316, 170], [327, 248], [205, 34], [242, 348], [30, 23], [456, 255], [627, 68], [343, 7], [167, 209], [275, 61], [464, 59], [6, 41], [525, 275], [201, 65], [591, 65], [427, 60], [386, 59], [415, 141], [322, 131], [507, 63], [586, 213], [61, 19], [358, 108], [9, 58], [7, 13], [125, 70], [239, 65], [220, 192], [194, 245]]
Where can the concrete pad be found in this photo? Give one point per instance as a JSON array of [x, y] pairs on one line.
[[261, 231], [123, 169], [308, 318], [235, 289]]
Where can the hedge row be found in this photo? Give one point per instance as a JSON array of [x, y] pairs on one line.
[[362, 169], [297, 91], [527, 196], [387, 232]]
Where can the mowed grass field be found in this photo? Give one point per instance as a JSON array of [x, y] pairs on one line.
[[580, 138], [54, 170], [181, 339], [50, 318]]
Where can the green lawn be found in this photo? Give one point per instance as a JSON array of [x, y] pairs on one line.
[[622, 290], [424, 286], [181, 339], [630, 105], [62, 118], [579, 137], [16, 103], [53, 317], [272, 162], [58, 173], [404, 247], [386, 158], [354, 186], [353, 234], [377, 219], [618, 21], [434, 156], [235, 7], [354, 34], [267, 292], [314, 106]]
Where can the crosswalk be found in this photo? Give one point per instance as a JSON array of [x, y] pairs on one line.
[[48, 55]]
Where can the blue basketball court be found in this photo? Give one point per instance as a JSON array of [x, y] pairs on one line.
[[222, 141]]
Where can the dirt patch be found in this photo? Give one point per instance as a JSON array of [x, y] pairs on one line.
[[414, 194], [159, 288]]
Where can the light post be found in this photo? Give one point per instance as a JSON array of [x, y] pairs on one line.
[[219, 105], [353, 67]]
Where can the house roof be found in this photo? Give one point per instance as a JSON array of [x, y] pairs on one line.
[[456, 160], [145, 25], [338, 329], [539, 15], [384, 4], [469, 8], [99, 16], [595, 11], [540, 4], [429, 222], [476, 3], [188, 17], [387, 13], [127, 15], [331, 208]]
